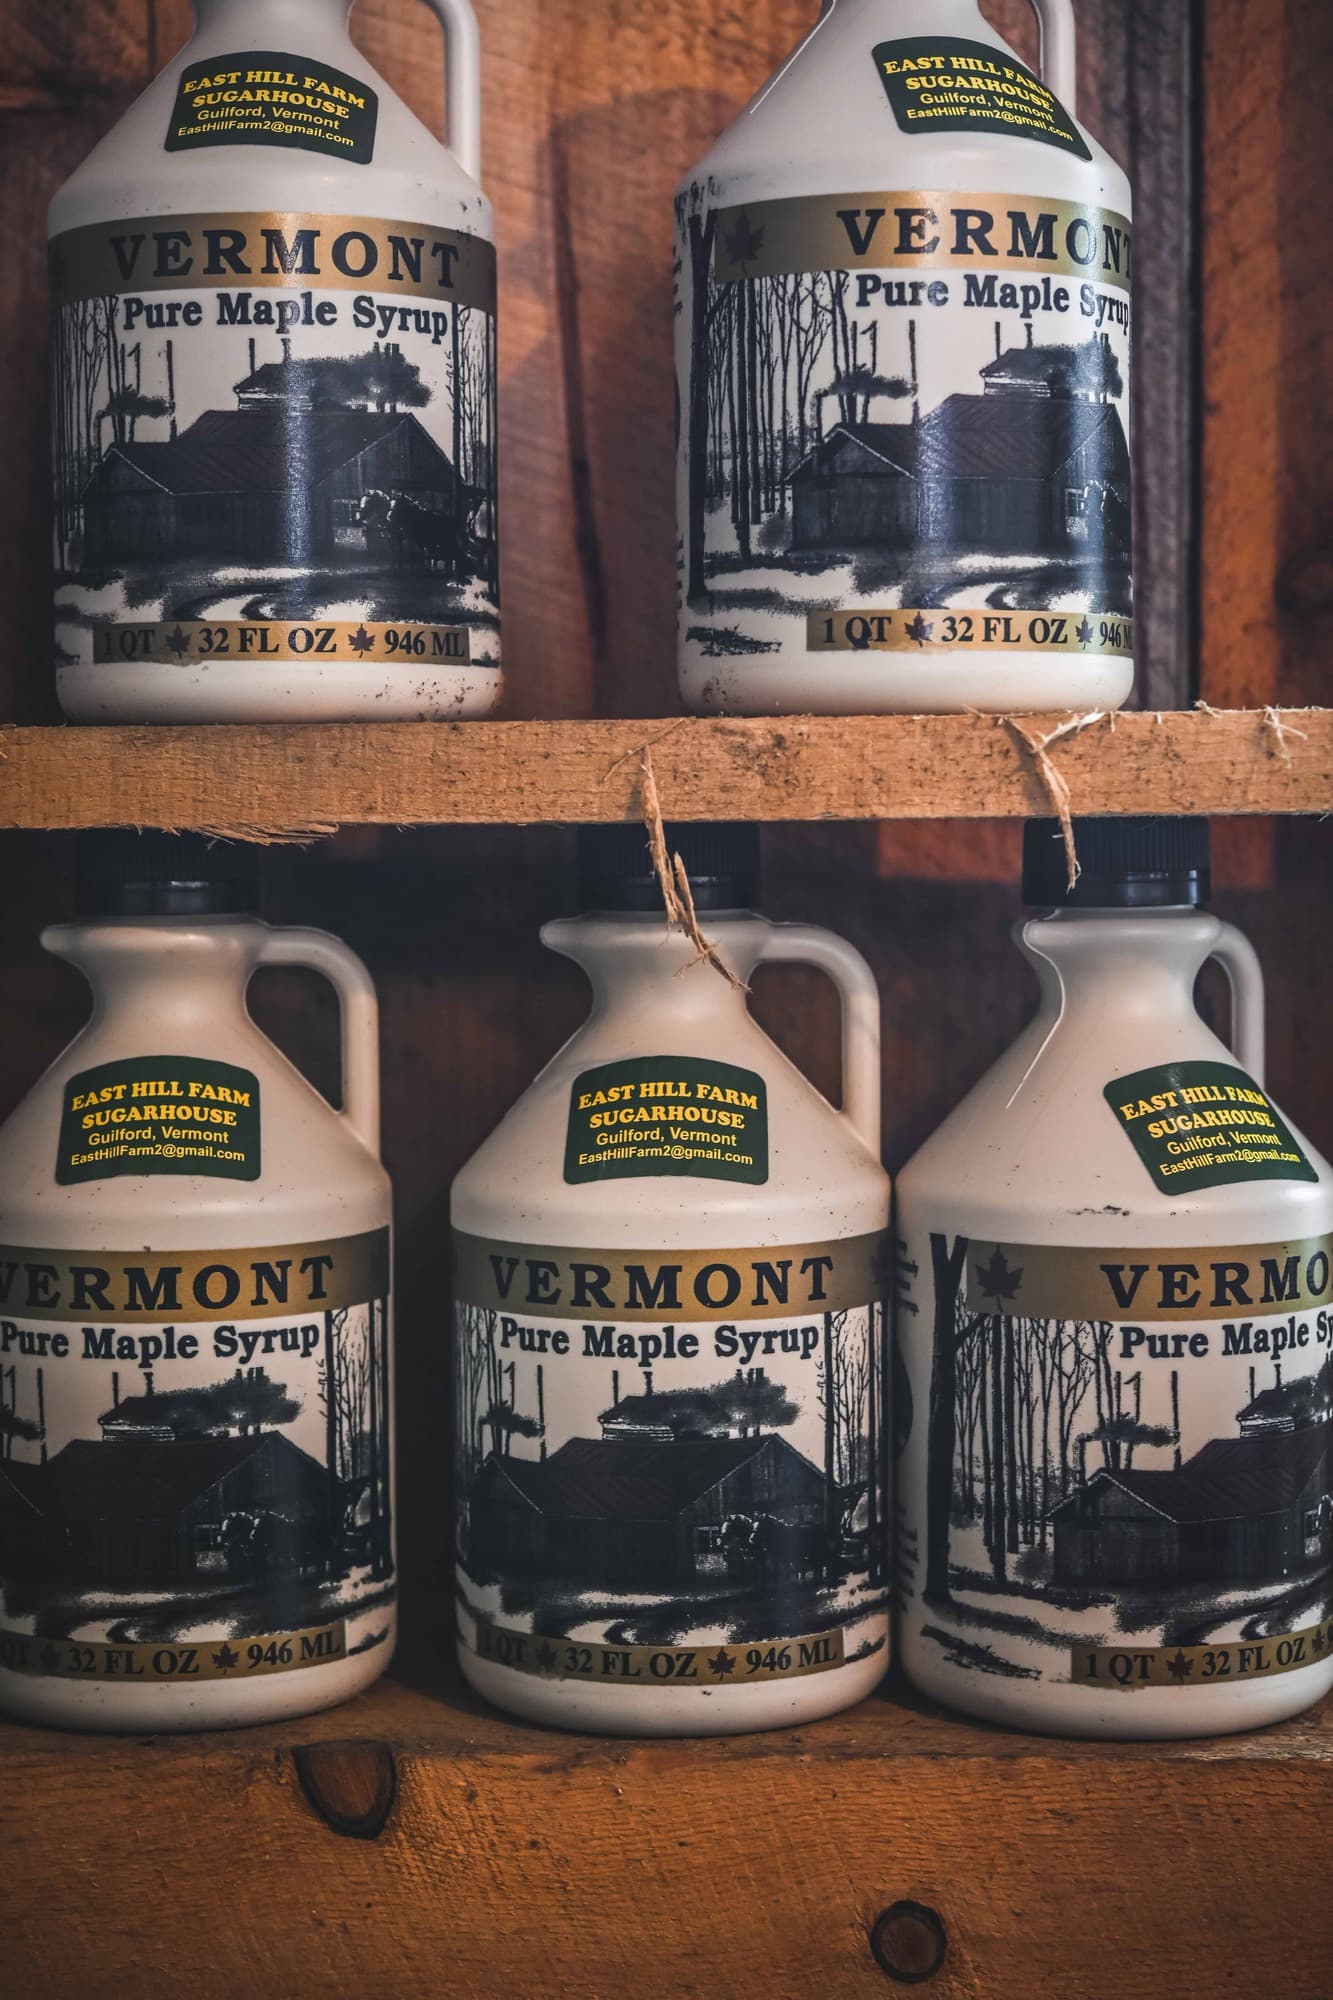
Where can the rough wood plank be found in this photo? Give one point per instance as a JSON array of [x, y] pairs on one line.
[[284, 779], [1267, 158], [523, 1862]]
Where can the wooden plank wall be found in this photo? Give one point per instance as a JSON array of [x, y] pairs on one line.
[[594, 106]]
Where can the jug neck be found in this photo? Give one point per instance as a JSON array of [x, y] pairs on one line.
[[890, 19], [636, 965], [1133, 964], [163, 976], [263, 24]]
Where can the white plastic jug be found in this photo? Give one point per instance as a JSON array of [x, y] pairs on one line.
[[670, 1337], [902, 359], [196, 1487], [273, 389], [1114, 1323]]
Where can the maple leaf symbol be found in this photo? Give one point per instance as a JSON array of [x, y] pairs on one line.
[[920, 629], [721, 1662], [743, 242], [1179, 1667], [996, 1280], [178, 641], [546, 1655], [50, 1658], [1319, 1642], [1083, 631], [224, 1657], [360, 640]]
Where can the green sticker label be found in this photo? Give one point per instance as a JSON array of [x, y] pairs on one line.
[[1203, 1124], [267, 97], [159, 1115], [939, 83], [667, 1115]]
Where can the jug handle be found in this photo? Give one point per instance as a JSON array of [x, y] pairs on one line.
[[807, 944], [1240, 962], [462, 81], [358, 1010], [1057, 49]]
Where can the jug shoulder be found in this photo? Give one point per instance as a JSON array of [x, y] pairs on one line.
[[823, 122], [562, 1163], [274, 1155], [1067, 1153], [409, 175]]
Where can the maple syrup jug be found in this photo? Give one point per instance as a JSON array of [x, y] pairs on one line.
[[902, 359], [273, 389], [196, 1478], [670, 1336], [1114, 1326]]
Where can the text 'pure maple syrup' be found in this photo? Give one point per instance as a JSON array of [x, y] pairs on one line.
[[273, 377], [196, 1489], [902, 356], [1114, 1324], [670, 1336]]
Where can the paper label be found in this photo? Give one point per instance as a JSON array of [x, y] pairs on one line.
[[274, 443], [1114, 1464], [159, 1115], [668, 1115], [266, 97], [670, 1464], [940, 83], [196, 1481], [905, 426], [1205, 1124]]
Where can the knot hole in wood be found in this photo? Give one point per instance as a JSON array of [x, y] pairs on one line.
[[908, 1942], [351, 1784]]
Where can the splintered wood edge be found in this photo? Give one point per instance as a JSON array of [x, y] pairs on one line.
[[301, 781]]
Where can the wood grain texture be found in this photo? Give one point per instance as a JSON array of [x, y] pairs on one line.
[[537, 1865], [282, 779], [1267, 495]]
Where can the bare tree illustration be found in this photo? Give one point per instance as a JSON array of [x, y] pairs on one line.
[[354, 1393], [843, 1384]]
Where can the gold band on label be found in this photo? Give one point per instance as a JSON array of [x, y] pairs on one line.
[[146, 1663], [1214, 1665], [994, 236], [1136, 1286], [913, 630], [544, 1281], [275, 251], [174, 641], [108, 1288], [731, 1665]]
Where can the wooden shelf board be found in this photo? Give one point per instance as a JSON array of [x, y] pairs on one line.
[[286, 778], [521, 1862]]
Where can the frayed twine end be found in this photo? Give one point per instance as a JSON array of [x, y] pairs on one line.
[[1281, 731], [1053, 779], [675, 882]]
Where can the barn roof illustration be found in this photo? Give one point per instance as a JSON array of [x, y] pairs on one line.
[[978, 437], [1306, 1399], [257, 450], [334, 380], [1010, 437], [89, 1480], [304, 378], [1229, 1479], [1060, 368], [601, 1477]]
